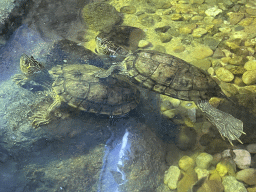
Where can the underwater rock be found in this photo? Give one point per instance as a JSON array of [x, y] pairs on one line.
[[189, 178], [186, 163], [199, 32], [250, 65], [242, 158], [12, 13], [201, 52], [235, 18], [201, 172], [251, 148], [226, 167], [247, 175], [214, 11], [232, 185], [224, 74], [3, 157], [203, 160], [249, 77], [101, 16], [186, 139], [211, 186], [143, 44], [172, 176], [205, 139], [128, 9]]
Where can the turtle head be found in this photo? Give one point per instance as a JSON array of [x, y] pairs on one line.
[[29, 66], [107, 47]]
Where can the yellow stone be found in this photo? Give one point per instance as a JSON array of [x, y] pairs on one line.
[[224, 74], [250, 65], [170, 113], [186, 163]]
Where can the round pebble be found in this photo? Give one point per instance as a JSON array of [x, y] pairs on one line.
[[171, 177], [251, 148], [186, 162], [249, 77], [242, 159], [224, 74], [203, 160], [232, 185], [201, 52], [143, 44], [214, 11], [128, 9], [250, 65], [247, 175], [199, 32]]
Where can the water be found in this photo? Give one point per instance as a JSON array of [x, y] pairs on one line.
[[83, 151]]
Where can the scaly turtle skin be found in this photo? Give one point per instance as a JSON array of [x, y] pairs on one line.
[[77, 86], [169, 75]]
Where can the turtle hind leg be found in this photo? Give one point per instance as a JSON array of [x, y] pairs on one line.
[[228, 126]]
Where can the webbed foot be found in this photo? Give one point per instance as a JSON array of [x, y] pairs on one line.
[[227, 125]]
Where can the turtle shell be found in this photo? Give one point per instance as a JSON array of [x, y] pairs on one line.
[[78, 87], [172, 76]]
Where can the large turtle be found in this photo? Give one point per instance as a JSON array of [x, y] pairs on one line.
[[76, 85], [174, 77]]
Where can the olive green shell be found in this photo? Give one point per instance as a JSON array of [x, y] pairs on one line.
[[78, 87], [169, 75]]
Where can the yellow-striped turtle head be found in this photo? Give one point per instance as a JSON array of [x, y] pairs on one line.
[[29, 66]]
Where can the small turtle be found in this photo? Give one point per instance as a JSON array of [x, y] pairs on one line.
[[31, 69], [174, 77], [76, 85]]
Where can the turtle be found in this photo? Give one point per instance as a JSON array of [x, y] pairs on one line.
[[76, 85], [174, 77]]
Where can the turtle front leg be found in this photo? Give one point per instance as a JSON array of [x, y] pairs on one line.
[[227, 125], [20, 79], [45, 117], [105, 74]]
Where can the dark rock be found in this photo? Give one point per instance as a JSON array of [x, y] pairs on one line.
[[101, 16]]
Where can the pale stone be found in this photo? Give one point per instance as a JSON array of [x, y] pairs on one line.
[[232, 185], [249, 77], [143, 44], [224, 74], [214, 11], [170, 113], [201, 172], [250, 65], [171, 177], [201, 52], [198, 32], [242, 159], [203, 160]]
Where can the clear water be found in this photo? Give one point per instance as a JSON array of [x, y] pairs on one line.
[[81, 151]]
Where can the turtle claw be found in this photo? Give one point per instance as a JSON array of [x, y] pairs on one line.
[[40, 118]]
